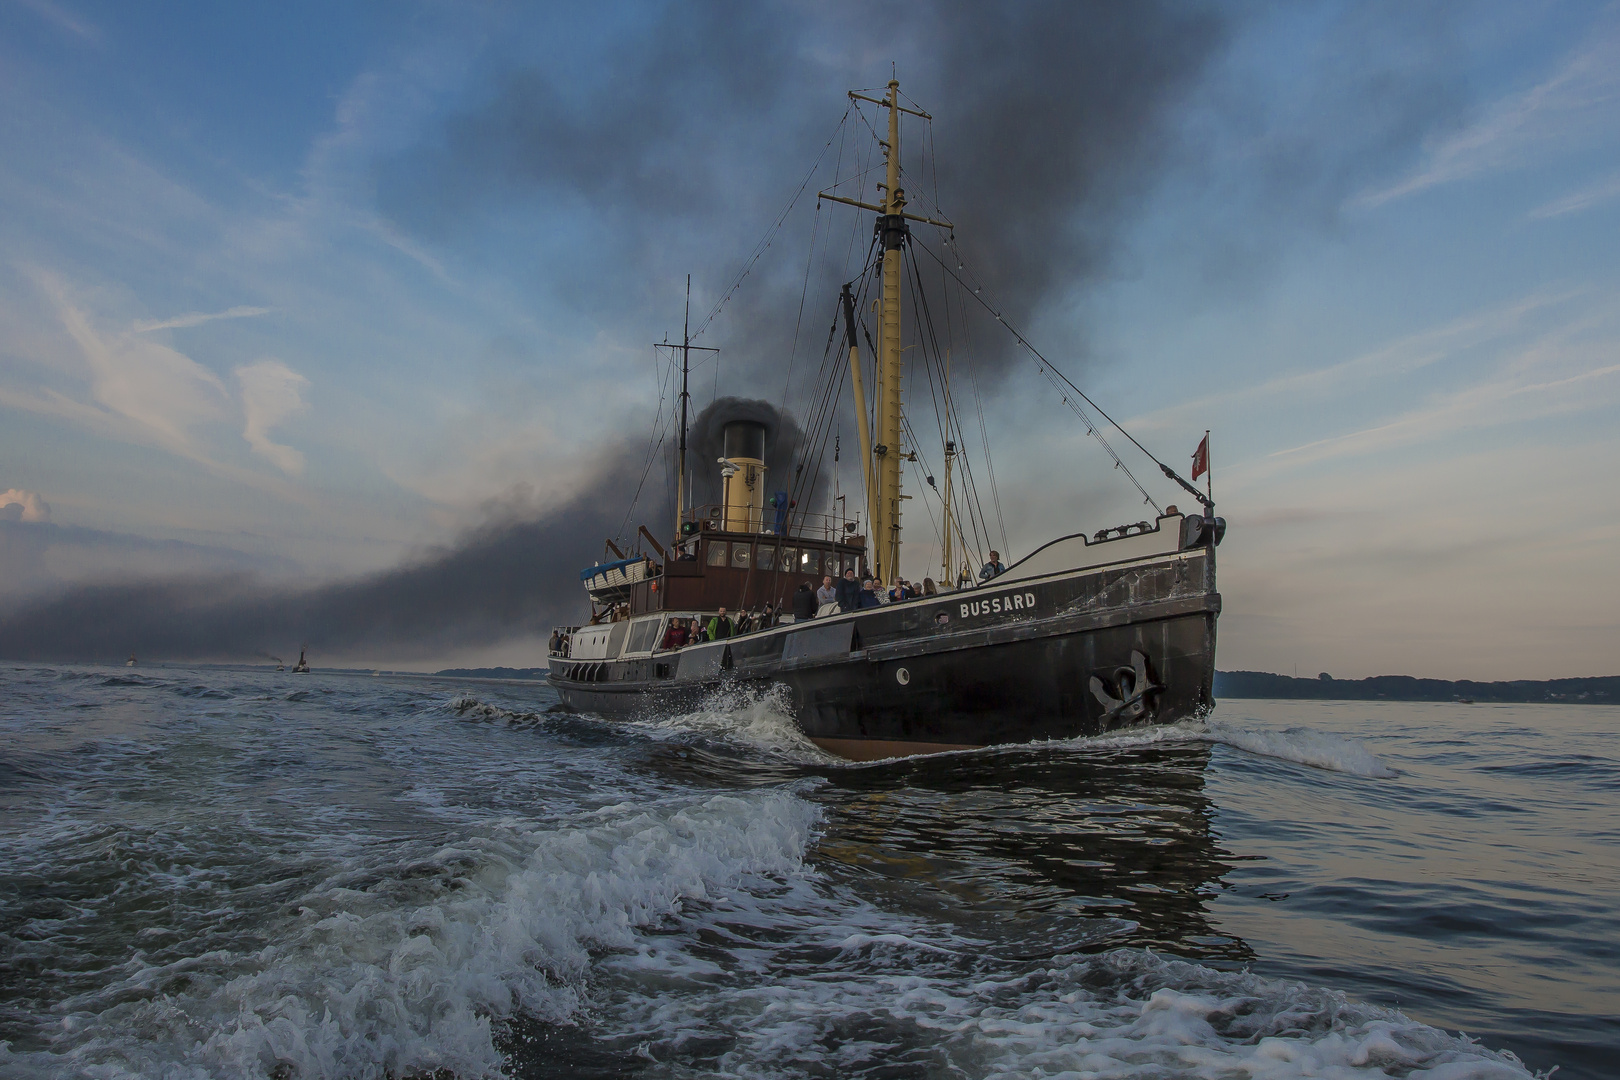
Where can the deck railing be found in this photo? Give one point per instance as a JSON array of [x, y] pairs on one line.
[[833, 527]]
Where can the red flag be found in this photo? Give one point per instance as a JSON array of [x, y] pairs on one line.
[[1201, 458]]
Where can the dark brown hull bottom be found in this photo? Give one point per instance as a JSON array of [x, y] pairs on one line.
[[1068, 656]]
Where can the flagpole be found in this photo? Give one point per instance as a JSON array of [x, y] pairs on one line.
[[1209, 470]]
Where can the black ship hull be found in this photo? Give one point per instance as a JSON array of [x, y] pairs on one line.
[[1069, 654]]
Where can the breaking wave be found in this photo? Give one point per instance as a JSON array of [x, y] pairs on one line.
[[894, 1005], [398, 967], [761, 721], [1305, 746]]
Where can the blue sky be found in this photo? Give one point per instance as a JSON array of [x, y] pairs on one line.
[[279, 286]]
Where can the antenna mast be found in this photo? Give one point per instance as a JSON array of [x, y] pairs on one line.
[[686, 368], [950, 454], [683, 490]]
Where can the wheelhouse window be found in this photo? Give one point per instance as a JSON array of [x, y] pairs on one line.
[[644, 636], [740, 554], [810, 562], [717, 553], [830, 562], [790, 558], [765, 558]]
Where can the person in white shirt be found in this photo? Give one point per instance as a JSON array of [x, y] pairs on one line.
[[827, 594]]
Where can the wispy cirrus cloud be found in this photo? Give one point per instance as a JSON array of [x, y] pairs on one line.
[[1585, 199], [126, 387], [161, 391], [1571, 109], [271, 393], [1405, 355], [1565, 371], [1497, 402], [197, 318], [63, 19]]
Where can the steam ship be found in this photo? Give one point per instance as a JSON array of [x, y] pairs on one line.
[[1083, 635]]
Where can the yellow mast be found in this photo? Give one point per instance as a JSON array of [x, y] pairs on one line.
[[950, 453], [892, 230], [862, 426]]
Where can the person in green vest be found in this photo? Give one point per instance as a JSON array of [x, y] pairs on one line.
[[719, 626]]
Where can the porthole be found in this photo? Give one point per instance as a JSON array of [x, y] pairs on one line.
[[902, 676]]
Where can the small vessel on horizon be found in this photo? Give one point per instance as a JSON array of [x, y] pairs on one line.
[[302, 667], [131, 661], [1083, 635]]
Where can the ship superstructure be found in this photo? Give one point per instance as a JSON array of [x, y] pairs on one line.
[[1086, 633]]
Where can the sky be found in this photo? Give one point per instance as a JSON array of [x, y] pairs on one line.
[[334, 322]]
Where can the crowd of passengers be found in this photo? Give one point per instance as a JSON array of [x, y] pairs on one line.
[[834, 597]]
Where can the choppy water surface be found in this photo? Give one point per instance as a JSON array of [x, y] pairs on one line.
[[238, 873]]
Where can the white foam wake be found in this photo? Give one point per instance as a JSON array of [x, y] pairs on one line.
[[1305, 746], [756, 720], [390, 969], [874, 1005]]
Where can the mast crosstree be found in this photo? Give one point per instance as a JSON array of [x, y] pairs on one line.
[[883, 456]]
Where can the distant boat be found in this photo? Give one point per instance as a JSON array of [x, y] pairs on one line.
[[131, 661], [302, 667]]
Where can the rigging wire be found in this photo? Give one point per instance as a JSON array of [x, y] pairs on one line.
[[984, 444], [809, 261], [923, 320], [822, 415], [660, 431], [1054, 376], [770, 233]]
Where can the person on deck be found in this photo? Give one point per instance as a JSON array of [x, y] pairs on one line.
[[767, 618], [807, 600], [828, 593], [849, 592], [675, 635], [992, 568], [719, 626], [929, 588], [872, 596]]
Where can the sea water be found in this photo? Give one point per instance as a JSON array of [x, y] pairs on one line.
[[239, 873]]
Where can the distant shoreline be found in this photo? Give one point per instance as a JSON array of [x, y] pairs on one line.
[[1603, 690]]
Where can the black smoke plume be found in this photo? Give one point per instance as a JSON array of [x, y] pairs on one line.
[[515, 574], [1052, 120], [785, 462]]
